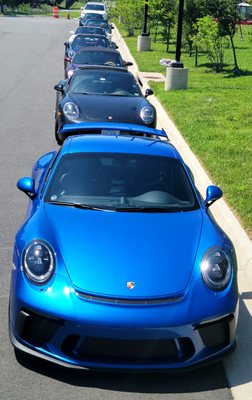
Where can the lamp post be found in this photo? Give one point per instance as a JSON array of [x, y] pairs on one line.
[[145, 30], [179, 34], [176, 75], [144, 40]]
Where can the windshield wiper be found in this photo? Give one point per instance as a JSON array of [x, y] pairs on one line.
[[84, 93], [76, 205], [115, 208], [146, 209]]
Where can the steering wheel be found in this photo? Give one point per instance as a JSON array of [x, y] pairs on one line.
[[79, 89], [121, 91], [153, 186], [111, 63]]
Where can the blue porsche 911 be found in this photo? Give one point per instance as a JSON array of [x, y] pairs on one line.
[[119, 263]]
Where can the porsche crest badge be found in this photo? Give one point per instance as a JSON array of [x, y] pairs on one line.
[[130, 285]]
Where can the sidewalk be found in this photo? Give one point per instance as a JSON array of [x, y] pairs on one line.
[[238, 365]]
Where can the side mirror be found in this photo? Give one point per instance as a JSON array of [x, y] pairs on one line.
[[27, 185], [148, 92], [67, 43], [127, 63], [213, 193], [112, 26], [59, 87]]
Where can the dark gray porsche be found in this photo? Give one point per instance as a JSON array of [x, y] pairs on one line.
[[101, 94]]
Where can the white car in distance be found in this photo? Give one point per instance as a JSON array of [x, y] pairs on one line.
[[94, 7]]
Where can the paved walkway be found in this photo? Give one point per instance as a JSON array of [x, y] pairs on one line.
[[238, 365], [152, 76]]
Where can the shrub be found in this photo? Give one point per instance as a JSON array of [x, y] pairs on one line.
[[209, 39]]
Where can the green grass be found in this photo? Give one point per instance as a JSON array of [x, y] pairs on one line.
[[214, 115], [46, 10], [72, 13], [75, 6]]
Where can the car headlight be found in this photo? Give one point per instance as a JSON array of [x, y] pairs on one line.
[[216, 268], [71, 110], [38, 262], [147, 114], [71, 53], [70, 73]]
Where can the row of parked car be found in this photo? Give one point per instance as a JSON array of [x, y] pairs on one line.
[[97, 84], [119, 263]]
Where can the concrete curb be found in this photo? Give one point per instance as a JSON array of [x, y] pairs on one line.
[[238, 366]]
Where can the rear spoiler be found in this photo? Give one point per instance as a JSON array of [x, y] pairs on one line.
[[110, 128]]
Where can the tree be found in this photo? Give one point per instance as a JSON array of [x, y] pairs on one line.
[[194, 9], [12, 4], [227, 14], [162, 12], [208, 39], [129, 12]]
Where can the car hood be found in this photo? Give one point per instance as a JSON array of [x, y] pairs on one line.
[[104, 250], [104, 108]]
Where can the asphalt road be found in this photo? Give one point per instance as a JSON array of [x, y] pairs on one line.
[[31, 62]]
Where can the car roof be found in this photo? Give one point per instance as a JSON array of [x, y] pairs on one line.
[[86, 28], [93, 14], [95, 2], [92, 35], [98, 48]]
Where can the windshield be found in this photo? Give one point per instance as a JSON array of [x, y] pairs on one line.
[[96, 7], [98, 57], [84, 41], [90, 15], [97, 22], [93, 30], [102, 82], [121, 182]]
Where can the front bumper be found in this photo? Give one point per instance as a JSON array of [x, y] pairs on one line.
[[69, 330], [47, 339]]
